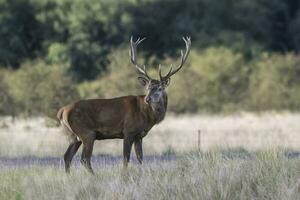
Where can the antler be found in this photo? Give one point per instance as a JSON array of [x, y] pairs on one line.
[[132, 53], [187, 41]]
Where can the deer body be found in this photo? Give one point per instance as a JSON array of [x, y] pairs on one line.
[[121, 117], [129, 118]]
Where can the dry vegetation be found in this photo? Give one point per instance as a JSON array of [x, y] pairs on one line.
[[212, 175], [259, 171], [31, 137]]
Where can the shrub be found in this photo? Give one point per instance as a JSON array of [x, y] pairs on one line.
[[214, 80], [57, 53], [184, 91], [119, 80], [275, 83], [6, 100], [40, 89]]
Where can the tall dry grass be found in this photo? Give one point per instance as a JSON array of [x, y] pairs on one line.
[[211, 175], [262, 173], [25, 137]]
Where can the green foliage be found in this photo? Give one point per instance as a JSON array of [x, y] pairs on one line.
[[6, 100], [275, 83], [184, 91], [85, 32], [202, 85], [57, 54], [20, 32], [215, 80], [295, 29], [120, 80], [40, 89], [225, 71]]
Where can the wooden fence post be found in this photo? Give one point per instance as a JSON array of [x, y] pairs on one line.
[[199, 140]]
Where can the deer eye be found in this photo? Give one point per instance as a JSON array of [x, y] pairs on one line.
[[160, 88], [150, 87]]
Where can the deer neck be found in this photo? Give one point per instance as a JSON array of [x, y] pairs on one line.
[[156, 112]]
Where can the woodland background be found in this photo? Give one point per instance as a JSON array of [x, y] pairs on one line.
[[244, 53]]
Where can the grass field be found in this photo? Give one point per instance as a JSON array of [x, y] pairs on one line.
[[31, 137], [211, 175], [243, 156]]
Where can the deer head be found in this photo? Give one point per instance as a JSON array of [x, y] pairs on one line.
[[156, 88]]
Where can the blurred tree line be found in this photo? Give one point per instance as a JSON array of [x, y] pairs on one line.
[[244, 52], [82, 33]]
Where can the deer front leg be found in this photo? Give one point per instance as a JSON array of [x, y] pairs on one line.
[[138, 149], [127, 144]]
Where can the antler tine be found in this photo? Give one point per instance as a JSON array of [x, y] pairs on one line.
[[139, 40], [187, 41], [159, 72], [132, 53], [164, 77], [144, 72]]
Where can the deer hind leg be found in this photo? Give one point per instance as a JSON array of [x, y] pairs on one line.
[[138, 149], [71, 151], [127, 145], [88, 144]]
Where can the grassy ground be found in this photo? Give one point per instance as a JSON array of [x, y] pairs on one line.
[[211, 175], [31, 137], [241, 167]]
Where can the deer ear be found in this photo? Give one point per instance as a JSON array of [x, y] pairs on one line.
[[143, 81]]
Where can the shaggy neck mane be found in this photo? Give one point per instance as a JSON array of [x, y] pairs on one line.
[[156, 111], [159, 111]]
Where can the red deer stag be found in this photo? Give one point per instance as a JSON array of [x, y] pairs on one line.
[[129, 117]]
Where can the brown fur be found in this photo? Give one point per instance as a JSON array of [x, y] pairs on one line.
[[128, 118]]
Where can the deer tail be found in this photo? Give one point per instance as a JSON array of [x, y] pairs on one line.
[[62, 116]]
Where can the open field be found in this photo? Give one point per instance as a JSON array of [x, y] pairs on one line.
[[243, 156], [211, 175], [31, 137]]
